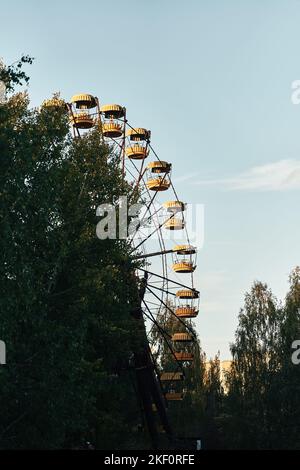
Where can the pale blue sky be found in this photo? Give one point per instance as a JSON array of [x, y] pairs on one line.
[[212, 80]]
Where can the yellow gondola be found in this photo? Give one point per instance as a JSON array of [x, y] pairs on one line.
[[84, 101], [183, 356], [136, 152], [174, 206], [186, 312], [184, 267], [112, 129], [158, 184], [182, 337], [174, 224], [82, 121], [174, 396], [171, 376]]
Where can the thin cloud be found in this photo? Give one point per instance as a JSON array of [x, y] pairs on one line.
[[215, 279], [283, 175], [183, 178], [212, 307]]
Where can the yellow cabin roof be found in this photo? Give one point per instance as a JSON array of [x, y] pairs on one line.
[[115, 110], [174, 206], [184, 249], [187, 294], [138, 133], [159, 167], [84, 100]]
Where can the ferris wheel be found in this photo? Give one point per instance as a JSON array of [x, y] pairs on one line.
[[161, 244]]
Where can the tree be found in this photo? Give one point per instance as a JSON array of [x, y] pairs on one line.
[[255, 363], [212, 422], [65, 296], [262, 409], [287, 384]]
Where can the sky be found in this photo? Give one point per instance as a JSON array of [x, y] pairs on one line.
[[212, 79]]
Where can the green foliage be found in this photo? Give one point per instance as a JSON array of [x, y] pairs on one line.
[[13, 74], [286, 387], [65, 296], [213, 404], [261, 409]]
